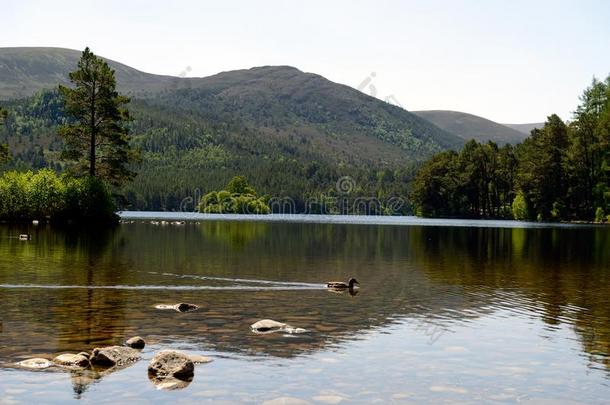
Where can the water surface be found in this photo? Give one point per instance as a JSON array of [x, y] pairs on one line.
[[445, 313]]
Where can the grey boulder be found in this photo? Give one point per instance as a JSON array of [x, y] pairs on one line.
[[35, 363], [171, 364], [71, 360], [136, 342], [114, 356]]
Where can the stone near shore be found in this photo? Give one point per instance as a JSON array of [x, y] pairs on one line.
[[35, 363], [136, 342], [198, 359], [270, 326], [114, 356], [71, 360], [267, 325], [186, 307], [181, 307], [171, 364]]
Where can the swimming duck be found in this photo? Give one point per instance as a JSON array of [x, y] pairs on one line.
[[339, 285]]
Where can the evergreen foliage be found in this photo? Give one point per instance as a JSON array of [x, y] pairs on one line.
[[561, 172], [238, 198], [96, 138]]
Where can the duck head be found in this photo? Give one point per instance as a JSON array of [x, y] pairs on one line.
[[352, 281]]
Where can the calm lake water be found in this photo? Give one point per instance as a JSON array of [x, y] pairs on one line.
[[444, 313]]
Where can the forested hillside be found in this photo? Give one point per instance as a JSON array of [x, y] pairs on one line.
[[292, 134], [186, 154]]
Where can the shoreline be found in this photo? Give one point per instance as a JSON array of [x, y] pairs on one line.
[[342, 220]]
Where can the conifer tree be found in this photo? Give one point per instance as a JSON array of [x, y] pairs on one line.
[[97, 138]]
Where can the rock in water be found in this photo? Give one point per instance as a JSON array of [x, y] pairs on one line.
[[181, 307], [87, 355], [165, 306], [114, 356], [198, 359], [186, 307], [171, 363], [35, 363], [71, 360], [267, 325], [136, 342], [293, 330]]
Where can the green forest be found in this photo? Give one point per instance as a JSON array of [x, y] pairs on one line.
[[183, 149], [561, 172]]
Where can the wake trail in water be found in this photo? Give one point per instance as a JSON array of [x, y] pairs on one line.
[[241, 280], [161, 287]]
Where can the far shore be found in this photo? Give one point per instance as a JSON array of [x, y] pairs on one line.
[[168, 217]]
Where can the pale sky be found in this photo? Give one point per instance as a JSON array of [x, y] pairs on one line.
[[509, 61]]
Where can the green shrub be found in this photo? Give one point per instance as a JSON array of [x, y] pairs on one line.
[[46, 196], [14, 201], [88, 199], [239, 198], [558, 211], [600, 215], [520, 211]]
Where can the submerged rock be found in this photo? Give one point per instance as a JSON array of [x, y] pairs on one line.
[[293, 330], [136, 342], [165, 306], [71, 360], [270, 326], [185, 307], [181, 307], [267, 325], [198, 359], [171, 364], [35, 363], [114, 356]]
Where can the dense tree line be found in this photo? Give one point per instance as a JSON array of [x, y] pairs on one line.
[[238, 198], [560, 172], [47, 196]]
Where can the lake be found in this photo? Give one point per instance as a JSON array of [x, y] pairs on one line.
[[499, 313]]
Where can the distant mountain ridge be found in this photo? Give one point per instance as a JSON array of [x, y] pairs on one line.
[[258, 94], [27, 70], [469, 126], [525, 128]]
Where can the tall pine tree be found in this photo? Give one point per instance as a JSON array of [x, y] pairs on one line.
[[97, 139]]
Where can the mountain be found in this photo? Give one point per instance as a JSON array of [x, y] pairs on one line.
[[525, 128], [469, 126], [304, 104], [292, 133], [26, 70]]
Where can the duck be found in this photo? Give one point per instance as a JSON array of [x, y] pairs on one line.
[[340, 285]]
